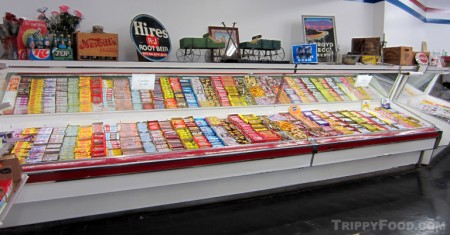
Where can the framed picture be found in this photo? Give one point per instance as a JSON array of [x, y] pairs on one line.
[[228, 35], [321, 30]]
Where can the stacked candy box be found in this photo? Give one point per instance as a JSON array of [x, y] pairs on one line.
[[208, 132], [235, 97], [144, 134], [109, 103], [73, 100], [111, 132], [305, 90], [85, 94], [184, 133], [199, 138], [246, 129], [54, 144], [337, 124], [98, 145], [271, 125], [224, 131], [23, 92], [291, 130], [97, 94], [358, 92], [435, 109], [178, 92], [157, 136], [49, 96], [257, 124], [212, 98], [220, 90], [347, 88], [169, 96], [35, 99], [62, 90], [158, 97], [296, 94], [130, 141], [270, 86], [84, 142], [21, 150], [69, 143], [122, 94], [147, 99], [188, 92], [325, 90], [136, 99], [200, 93], [244, 91], [337, 90], [171, 136], [255, 89], [395, 118]]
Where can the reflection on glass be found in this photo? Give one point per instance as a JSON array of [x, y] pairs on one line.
[[383, 83], [441, 88], [429, 93]]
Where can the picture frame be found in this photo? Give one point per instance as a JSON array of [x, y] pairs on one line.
[[321, 30], [223, 34]]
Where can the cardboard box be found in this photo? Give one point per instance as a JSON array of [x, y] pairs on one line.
[[398, 55], [11, 168], [96, 46]]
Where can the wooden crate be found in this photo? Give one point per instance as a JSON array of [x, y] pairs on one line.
[[398, 55], [96, 46]]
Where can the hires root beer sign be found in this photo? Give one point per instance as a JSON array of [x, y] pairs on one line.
[[150, 38], [97, 45]]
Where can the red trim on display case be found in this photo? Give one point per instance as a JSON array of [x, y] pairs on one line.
[[98, 167], [82, 169], [357, 141]]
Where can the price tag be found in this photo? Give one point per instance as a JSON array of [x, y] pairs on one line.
[[363, 80], [143, 81]]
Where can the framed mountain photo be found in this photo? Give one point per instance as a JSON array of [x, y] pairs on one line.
[[321, 30]]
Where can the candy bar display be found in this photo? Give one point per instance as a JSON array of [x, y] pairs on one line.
[[41, 144], [435, 109], [35, 95]]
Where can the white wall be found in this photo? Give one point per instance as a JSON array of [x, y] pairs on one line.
[[403, 29], [273, 19]]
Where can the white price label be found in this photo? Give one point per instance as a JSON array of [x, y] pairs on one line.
[[363, 80], [143, 81]]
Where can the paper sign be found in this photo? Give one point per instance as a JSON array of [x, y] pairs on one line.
[[143, 81], [363, 80]]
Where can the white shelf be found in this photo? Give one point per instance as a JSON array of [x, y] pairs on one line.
[[12, 199], [216, 67]]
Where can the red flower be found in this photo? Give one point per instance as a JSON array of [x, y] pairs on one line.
[[55, 13], [64, 8], [78, 14]]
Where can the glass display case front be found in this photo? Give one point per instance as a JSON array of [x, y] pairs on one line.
[[84, 119]]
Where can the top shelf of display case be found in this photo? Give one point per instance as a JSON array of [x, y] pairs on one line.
[[175, 66]]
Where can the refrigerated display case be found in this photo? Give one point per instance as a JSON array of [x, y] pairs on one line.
[[325, 144], [427, 95]]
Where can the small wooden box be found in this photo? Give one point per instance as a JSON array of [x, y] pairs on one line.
[[398, 55], [96, 46]]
